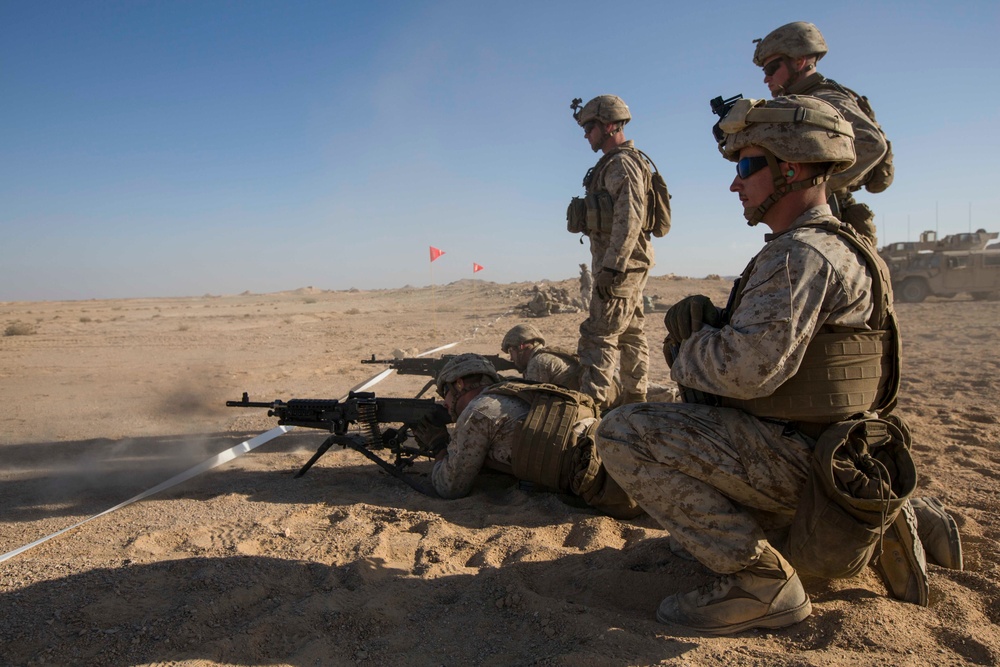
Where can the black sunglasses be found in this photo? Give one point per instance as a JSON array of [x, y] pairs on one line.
[[748, 166], [772, 67], [588, 126]]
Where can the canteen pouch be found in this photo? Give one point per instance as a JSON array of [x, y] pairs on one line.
[[576, 215]]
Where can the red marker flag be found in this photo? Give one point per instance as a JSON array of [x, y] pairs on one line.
[[435, 253], [477, 267]]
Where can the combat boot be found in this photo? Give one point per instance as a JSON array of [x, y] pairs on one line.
[[902, 563], [938, 533], [767, 594]]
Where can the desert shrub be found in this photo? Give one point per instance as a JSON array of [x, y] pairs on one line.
[[310, 299], [85, 319], [352, 311], [19, 329]]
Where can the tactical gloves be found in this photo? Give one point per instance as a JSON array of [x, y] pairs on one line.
[[687, 315], [606, 280], [430, 436]]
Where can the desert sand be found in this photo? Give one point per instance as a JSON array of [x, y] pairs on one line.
[[244, 565]]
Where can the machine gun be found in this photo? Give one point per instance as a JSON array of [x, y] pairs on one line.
[[364, 409], [720, 108], [430, 367]]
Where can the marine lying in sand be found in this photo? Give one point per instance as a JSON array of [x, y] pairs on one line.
[[736, 473], [539, 433]]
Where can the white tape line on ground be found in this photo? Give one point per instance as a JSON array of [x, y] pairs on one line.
[[218, 459], [437, 349], [371, 382]]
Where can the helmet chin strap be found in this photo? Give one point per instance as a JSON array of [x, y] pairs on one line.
[[781, 188]]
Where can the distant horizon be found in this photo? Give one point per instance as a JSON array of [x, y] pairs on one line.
[[321, 290]]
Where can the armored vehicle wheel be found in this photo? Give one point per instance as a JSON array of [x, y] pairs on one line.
[[913, 290]]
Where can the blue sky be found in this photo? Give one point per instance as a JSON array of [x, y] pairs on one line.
[[187, 148]]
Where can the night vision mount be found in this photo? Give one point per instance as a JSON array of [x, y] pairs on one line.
[[720, 108]]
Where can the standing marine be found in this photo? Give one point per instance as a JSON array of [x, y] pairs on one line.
[[586, 286], [617, 215], [788, 56]]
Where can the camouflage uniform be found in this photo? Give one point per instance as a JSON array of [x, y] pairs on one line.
[[799, 40], [616, 324], [544, 366], [485, 436], [482, 437], [712, 475], [869, 141]]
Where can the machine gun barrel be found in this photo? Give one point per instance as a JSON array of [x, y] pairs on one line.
[[245, 402]]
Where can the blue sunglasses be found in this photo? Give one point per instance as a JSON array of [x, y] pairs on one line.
[[748, 166]]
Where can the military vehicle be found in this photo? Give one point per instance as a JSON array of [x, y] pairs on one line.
[[958, 263]]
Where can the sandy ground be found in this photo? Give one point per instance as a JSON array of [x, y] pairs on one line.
[[244, 565]]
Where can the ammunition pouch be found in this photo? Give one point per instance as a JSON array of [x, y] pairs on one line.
[[860, 474], [576, 216], [599, 207], [600, 212], [593, 213]]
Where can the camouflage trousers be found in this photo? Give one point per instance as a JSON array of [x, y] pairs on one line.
[[613, 331], [716, 478]]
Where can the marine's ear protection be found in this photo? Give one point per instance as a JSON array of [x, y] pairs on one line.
[[790, 173]]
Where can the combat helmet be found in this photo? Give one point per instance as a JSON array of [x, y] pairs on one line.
[[796, 128], [463, 365], [522, 333], [604, 108], [795, 40]]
